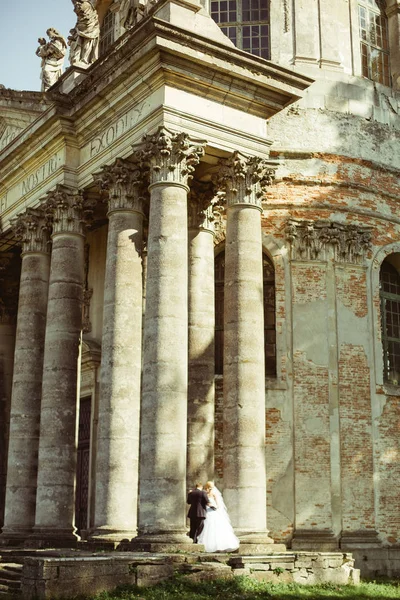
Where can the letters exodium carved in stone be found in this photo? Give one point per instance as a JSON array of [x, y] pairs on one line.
[[244, 178], [312, 240]]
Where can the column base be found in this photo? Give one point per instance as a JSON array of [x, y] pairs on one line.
[[11, 536], [351, 540], [164, 541], [258, 543], [106, 534], [316, 540], [52, 538]]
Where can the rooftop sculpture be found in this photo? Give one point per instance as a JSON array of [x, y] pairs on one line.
[[52, 54], [84, 38]]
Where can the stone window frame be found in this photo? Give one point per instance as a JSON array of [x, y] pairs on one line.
[[388, 317], [277, 253], [252, 34], [375, 68], [377, 374]]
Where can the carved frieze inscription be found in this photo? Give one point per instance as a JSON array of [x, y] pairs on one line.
[[31, 182], [30, 186], [113, 132], [317, 240]]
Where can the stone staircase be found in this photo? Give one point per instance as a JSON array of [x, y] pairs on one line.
[[10, 580]]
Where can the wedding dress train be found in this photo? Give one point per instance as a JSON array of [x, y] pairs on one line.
[[217, 534]]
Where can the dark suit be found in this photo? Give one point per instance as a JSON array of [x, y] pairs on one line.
[[198, 501]]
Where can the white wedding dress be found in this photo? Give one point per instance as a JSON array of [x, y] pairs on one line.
[[217, 534]]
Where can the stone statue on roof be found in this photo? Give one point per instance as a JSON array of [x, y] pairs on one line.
[[84, 38], [133, 11], [52, 54]]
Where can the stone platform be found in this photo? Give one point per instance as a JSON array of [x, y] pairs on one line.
[[51, 573]]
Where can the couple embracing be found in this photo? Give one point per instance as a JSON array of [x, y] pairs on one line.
[[209, 520]]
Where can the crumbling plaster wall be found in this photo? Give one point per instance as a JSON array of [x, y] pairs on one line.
[[340, 161]]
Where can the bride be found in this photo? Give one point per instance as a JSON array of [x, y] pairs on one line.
[[217, 535]]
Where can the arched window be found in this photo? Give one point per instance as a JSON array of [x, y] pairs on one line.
[[107, 31], [269, 315], [374, 41], [245, 23], [390, 321]]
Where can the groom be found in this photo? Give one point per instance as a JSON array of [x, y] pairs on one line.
[[198, 501]]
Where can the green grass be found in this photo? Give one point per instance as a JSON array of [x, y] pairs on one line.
[[244, 588]]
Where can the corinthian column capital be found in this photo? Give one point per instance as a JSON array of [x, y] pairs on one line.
[[69, 210], [244, 178], [204, 206], [126, 183], [172, 156], [32, 229]]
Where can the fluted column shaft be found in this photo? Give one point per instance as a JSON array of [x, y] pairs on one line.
[[201, 392], [164, 392], [244, 372], [54, 523], [117, 460], [32, 229]]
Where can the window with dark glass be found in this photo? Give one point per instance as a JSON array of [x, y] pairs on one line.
[[390, 321], [107, 32], [374, 41], [245, 22], [269, 315]]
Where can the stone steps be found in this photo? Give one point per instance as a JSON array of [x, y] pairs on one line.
[[10, 579]]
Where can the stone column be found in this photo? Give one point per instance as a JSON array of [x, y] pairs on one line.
[[32, 229], [55, 503], [245, 491], [8, 314], [200, 432], [117, 461], [164, 395], [393, 14]]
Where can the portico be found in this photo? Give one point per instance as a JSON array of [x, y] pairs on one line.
[[186, 107]]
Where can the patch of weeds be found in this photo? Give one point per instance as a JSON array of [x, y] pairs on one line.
[[246, 588]]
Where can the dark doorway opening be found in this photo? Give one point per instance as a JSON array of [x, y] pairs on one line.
[[83, 466]]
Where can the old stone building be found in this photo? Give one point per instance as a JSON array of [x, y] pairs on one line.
[[200, 278]]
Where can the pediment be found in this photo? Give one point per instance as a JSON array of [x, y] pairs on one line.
[[17, 111], [8, 132]]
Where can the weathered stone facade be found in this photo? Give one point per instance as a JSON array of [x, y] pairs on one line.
[[175, 147]]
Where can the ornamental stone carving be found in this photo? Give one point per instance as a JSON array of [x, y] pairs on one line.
[[32, 229], [68, 209], [84, 38], [316, 240], [133, 11], [52, 54], [204, 206], [245, 178], [126, 183], [172, 157]]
